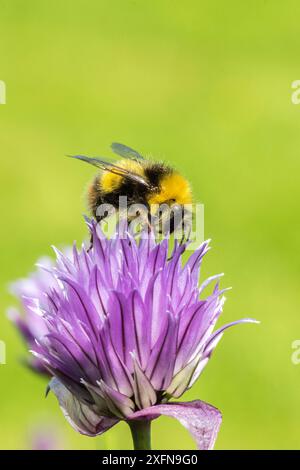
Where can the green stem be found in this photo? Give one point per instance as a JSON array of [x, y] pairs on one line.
[[141, 434]]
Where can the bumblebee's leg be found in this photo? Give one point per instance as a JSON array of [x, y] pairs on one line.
[[91, 244], [186, 223], [99, 221], [185, 237], [149, 221]]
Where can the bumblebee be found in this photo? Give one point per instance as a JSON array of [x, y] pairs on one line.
[[144, 182]]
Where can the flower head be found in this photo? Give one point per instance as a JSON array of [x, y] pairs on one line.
[[31, 294], [127, 330]]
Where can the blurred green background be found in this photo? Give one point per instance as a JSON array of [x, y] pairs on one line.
[[207, 86]]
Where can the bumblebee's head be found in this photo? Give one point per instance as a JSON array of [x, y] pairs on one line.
[[167, 202], [172, 189]]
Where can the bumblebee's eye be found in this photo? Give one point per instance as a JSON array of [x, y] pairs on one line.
[[170, 201]]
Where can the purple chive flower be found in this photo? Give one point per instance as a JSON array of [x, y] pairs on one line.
[[31, 293], [127, 330], [44, 436]]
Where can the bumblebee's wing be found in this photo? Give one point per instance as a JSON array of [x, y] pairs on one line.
[[126, 152], [104, 165]]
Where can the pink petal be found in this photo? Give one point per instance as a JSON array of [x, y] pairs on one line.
[[199, 418]]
